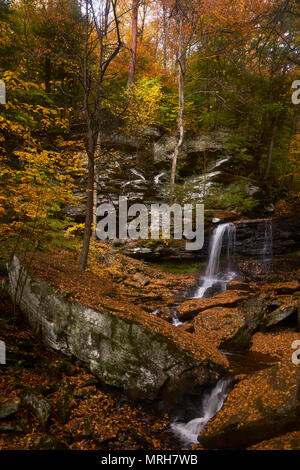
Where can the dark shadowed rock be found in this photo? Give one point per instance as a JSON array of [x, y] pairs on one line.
[[288, 441], [41, 407], [281, 313], [46, 442]]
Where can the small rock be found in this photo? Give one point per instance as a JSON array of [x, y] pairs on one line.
[[141, 279], [270, 208], [41, 407], [9, 408], [9, 427], [280, 314]]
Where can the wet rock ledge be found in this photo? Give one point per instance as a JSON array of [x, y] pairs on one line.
[[141, 354]]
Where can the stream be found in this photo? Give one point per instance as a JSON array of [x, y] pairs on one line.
[[214, 281], [212, 403]]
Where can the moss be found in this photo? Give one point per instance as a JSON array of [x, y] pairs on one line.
[[177, 267]]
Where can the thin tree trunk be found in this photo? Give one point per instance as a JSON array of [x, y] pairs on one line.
[[134, 33], [95, 192], [165, 36], [89, 203], [92, 102], [181, 84], [47, 78], [142, 29], [270, 153]]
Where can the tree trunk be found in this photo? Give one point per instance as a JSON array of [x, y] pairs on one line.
[[134, 33], [181, 84], [270, 153], [165, 36], [89, 203], [47, 78], [95, 191]]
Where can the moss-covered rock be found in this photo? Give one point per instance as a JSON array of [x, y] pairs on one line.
[[142, 355]]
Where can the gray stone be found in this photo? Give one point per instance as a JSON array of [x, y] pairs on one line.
[[214, 141], [41, 407], [9, 408]]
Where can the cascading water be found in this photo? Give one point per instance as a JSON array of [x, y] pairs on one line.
[[213, 275], [212, 403], [267, 250]]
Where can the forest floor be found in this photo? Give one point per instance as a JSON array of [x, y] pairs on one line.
[[84, 413]]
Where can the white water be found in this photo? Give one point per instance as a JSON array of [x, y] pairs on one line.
[[157, 178], [175, 319], [267, 251], [213, 275], [212, 403]]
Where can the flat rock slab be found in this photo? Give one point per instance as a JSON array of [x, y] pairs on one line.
[[239, 286], [231, 328], [283, 287], [260, 407], [220, 324], [190, 308]]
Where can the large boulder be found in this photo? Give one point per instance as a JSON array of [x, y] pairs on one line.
[[231, 328], [198, 144], [264, 405], [137, 352]]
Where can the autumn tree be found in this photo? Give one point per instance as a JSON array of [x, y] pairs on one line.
[[37, 167], [185, 18], [102, 43]]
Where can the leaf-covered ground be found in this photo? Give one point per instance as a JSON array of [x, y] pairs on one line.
[[85, 414]]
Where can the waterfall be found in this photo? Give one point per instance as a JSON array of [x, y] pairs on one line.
[[213, 275], [212, 403], [267, 251]]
